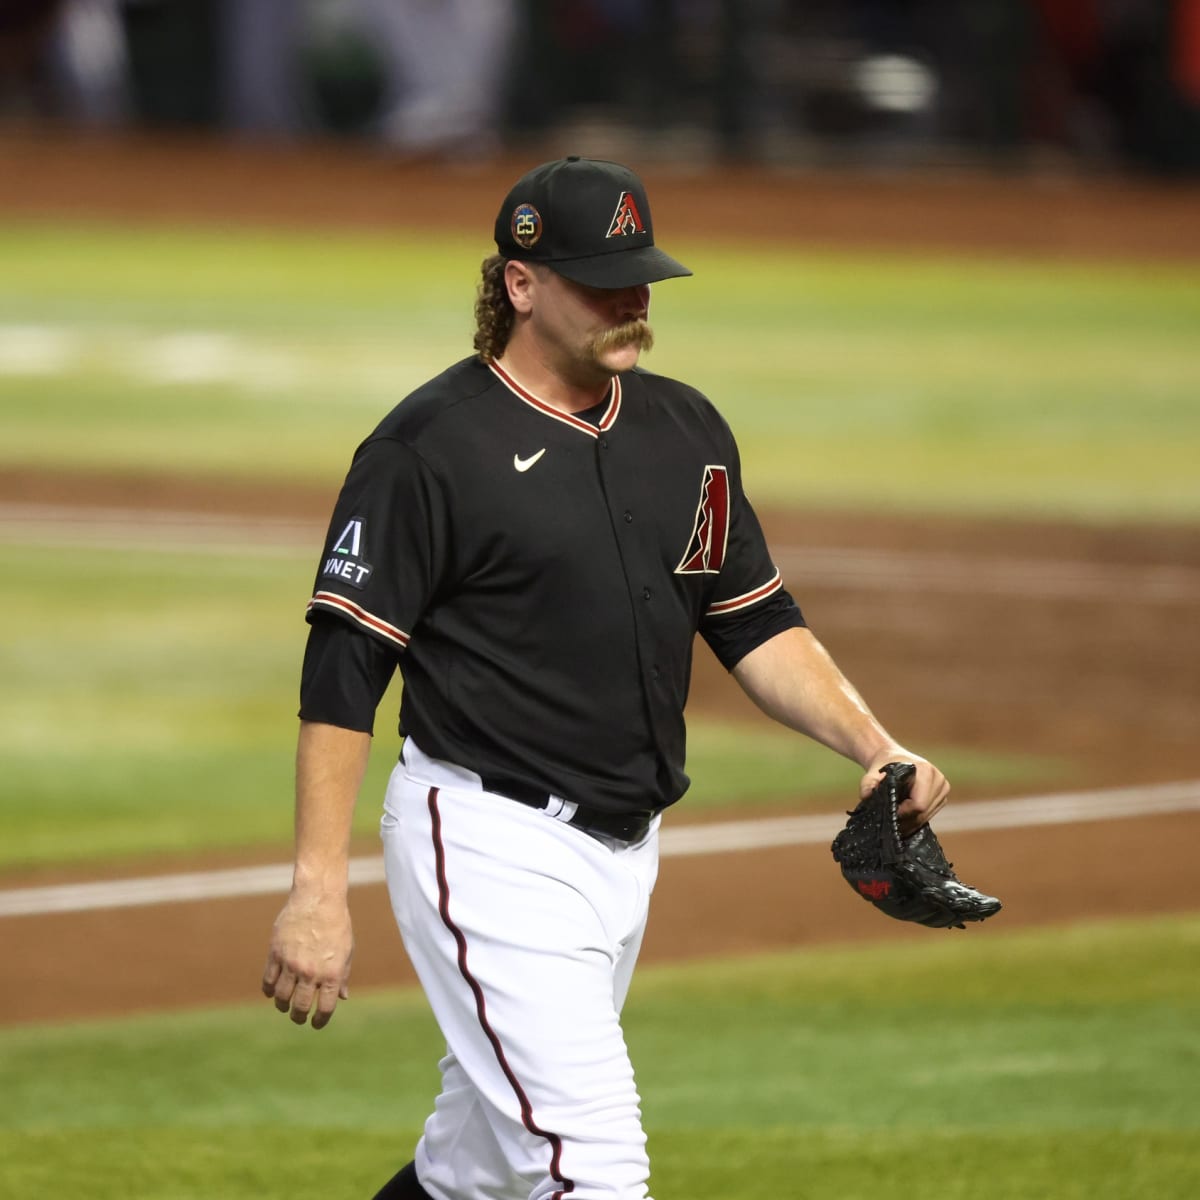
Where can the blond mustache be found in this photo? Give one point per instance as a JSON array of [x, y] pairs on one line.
[[629, 333]]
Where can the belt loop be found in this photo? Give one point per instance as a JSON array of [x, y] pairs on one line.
[[560, 809]]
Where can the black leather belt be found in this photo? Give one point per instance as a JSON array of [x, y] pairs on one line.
[[627, 827]]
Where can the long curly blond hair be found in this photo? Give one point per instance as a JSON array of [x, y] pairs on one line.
[[494, 313]]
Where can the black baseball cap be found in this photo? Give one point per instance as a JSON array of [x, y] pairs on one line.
[[586, 219]]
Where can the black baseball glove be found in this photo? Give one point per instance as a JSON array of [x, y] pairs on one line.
[[905, 877]]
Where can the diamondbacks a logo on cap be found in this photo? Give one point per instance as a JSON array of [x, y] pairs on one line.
[[626, 219], [526, 226]]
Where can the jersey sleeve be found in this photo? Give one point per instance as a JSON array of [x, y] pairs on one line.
[[385, 550], [344, 675], [748, 604]]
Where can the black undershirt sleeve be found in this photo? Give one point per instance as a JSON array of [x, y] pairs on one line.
[[732, 637], [345, 674]]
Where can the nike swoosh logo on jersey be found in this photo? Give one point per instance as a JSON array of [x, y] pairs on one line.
[[523, 464]]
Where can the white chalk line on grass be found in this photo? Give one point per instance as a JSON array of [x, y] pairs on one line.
[[105, 528], [230, 535], [720, 838]]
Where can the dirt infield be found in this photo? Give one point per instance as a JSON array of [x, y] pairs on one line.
[[135, 180], [1075, 642]]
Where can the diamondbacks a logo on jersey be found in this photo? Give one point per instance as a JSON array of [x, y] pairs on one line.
[[626, 219], [710, 534], [526, 225], [344, 560]]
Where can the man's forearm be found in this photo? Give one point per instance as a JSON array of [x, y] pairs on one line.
[[793, 679], [330, 765]]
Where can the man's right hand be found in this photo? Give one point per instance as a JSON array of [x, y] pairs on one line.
[[308, 962]]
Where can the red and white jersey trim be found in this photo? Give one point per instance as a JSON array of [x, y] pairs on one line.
[[548, 410], [360, 615], [746, 599]]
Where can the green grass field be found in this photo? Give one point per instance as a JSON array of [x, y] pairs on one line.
[[147, 706], [983, 385], [148, 702], [163, 719], [1053, 1063]]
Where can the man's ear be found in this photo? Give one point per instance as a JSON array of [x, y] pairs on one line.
[[519, 279]]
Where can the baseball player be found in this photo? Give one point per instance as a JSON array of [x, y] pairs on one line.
[[535, 537]]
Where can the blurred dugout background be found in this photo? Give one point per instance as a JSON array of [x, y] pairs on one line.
[[1096, 85]]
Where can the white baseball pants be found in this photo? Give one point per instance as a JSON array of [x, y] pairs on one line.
[[524, 932]]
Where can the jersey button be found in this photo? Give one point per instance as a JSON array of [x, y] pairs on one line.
[[628, 517], [646, 593], [655, 673], [604, 443]]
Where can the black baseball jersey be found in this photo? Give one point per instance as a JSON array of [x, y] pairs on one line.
[[541, 576]]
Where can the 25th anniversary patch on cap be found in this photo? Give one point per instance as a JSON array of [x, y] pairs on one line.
[[526, 226]]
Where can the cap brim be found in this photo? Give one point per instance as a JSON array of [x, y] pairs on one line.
[[622, 268]]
